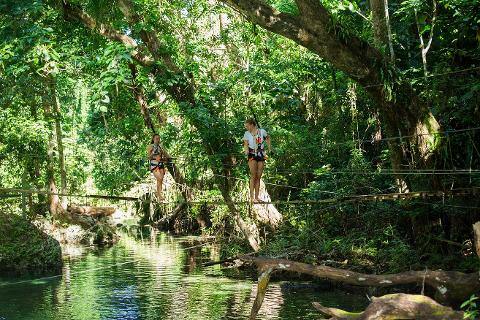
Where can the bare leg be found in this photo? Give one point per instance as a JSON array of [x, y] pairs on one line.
[[159, 174], [258, 177], [252, 165]]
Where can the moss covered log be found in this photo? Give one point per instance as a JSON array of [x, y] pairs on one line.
[[396, 306]]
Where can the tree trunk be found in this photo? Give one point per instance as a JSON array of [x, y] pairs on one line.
[[250, 232], [262, 285], [223, 181], [53, 199], [382, 38], [34, 172], [425, 47], [379, 21], [266, 213], [476, 237], [139, 95], [396, 306], [382, 33], [57, 115], [54, 205], [389, 33]]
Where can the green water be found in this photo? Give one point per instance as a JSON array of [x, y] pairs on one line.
[[158, 278]]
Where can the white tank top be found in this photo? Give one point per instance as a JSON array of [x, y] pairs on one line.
[[256, 141]]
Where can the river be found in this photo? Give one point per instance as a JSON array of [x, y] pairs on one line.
[[159, 277]]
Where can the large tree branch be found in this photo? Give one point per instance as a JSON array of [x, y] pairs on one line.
[[312, 9], [72, 12], [315, 31], [430, 37], [139, 95], [148, 37]]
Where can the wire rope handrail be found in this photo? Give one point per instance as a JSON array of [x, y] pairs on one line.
[[351, 198]]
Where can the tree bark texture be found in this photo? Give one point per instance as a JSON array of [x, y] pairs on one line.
[[57, 115], [476, 237], [54, 205], [379, 21]]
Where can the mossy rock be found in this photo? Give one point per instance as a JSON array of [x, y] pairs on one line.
[[25, 248], [104, 233]]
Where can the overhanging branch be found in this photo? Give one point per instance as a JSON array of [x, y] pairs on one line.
[[72, 12], [314, 31]]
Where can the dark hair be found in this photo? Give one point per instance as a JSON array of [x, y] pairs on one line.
[[251, 121], [154, 135]]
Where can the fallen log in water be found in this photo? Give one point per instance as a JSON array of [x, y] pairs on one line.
[[85, 216], [396, 306], [451, 287], [91, 211]]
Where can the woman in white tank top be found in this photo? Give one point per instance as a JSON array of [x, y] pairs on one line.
[[254, 147]]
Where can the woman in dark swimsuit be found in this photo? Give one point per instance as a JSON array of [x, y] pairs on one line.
[[158, 159]]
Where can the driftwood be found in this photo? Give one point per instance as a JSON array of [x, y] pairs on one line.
[[451, 287], [86, 222], [84, 216], [476, 236], [91, 211], [396, 306]]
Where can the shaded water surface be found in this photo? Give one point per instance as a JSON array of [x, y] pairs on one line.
[[158, 278]]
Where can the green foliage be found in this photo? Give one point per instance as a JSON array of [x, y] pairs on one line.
[[286, 6], [327, 132], [364, 237], [471, 308]]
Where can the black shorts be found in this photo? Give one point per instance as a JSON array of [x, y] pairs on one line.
[[154, 165], [260, 156]]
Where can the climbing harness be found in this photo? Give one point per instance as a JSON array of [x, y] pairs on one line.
[[258, 153], [157, 161]]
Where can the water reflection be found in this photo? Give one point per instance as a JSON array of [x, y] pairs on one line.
[[159, 277]]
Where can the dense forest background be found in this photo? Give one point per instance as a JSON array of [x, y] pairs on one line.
[[357, 102]]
